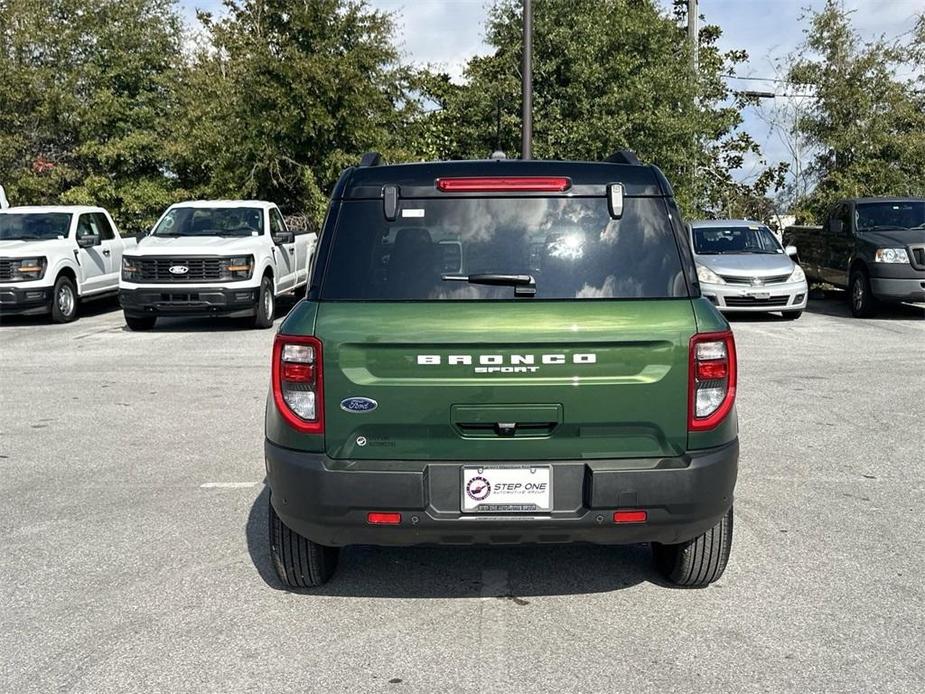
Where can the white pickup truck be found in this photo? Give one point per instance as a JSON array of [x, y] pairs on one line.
[[211, 258], [52, 258]]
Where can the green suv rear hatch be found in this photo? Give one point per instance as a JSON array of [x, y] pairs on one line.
[[501, 317]]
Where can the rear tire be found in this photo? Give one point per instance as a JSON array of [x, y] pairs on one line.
[[63, 300], [266, 304], [792, 315], [139, 323], [699, 562], [863, 302], [299, 563]]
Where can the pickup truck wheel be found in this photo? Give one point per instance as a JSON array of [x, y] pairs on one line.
[[863, 302], [139, 323], [699, 562], [266, 305], [299, 563], [791, 315], [64, 300]]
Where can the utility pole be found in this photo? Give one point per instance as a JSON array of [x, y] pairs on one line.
[[526, 147], [693, 33]]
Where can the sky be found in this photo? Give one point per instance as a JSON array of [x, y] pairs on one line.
[[446, 33]]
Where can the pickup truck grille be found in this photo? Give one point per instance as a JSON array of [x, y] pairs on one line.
[[199, 270], [752, 301], [6, 270], [755, 281]]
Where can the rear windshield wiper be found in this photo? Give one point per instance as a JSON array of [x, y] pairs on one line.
[[524, 285]]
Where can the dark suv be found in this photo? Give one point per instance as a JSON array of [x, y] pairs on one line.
[[502, 352]]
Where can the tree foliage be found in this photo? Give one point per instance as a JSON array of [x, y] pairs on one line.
[[111, 102], [287, 94], [86, 103], [865, 122], [607, 74]]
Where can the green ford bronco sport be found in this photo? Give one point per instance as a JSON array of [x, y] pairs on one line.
[[502, 352]]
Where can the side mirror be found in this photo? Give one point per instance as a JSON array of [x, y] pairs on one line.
[[282, 237], [141, 234], [791, 251], [88, 241], [836, 227]]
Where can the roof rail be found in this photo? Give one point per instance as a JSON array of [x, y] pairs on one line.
[[371, 159], [624, 156]]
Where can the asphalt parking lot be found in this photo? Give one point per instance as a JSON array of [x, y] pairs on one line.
[[133, 523]]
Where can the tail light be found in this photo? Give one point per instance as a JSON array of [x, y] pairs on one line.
[[297, 382], [712, 379], [503, 184]]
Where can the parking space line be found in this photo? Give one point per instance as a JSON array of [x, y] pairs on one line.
[[228, 485]]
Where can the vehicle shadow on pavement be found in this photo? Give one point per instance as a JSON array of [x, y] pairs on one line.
[[208, 324], [88, 309], [512, 573], [834, 303]]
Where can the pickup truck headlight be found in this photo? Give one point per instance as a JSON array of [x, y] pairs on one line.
[[891, 255], [27, 269], [707, 276], [131, 269], [238, 268], [797, 275]]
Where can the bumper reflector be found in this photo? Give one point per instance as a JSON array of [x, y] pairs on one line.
[[383, 518], [630, 516]]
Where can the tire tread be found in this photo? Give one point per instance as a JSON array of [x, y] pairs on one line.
[[700, 561], [299, 562]]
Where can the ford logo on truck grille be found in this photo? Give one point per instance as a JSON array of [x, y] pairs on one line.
[[358, 404], [178, 269]]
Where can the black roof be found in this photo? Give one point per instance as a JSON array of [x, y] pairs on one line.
[[901, 198], [418, 180]]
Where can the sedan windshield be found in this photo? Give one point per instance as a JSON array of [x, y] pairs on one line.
[[211, 221], [735, 239], [891, 215], [33, 226]]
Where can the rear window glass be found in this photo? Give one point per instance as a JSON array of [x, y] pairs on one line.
[[570, 246]]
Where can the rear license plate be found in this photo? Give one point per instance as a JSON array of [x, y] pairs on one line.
[[506, 489]]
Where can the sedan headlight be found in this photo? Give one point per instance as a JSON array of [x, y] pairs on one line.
[[891, 255], [707, 276], [238, 268], [27, 269], [131, 268], [797, 275]]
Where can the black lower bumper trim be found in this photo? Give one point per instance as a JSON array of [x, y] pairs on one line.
[[328, 501], [189, 301], [24, 301]]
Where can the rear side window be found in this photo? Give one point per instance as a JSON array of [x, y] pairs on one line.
[[570, 246]]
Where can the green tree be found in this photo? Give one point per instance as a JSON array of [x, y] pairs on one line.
[[865, 122], [86, 102], [287, 94], [608, 74]]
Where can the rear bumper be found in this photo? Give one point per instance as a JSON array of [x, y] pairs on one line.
[[327, 501], [898, 289], [189, 301], [25, 301], [789, 296]]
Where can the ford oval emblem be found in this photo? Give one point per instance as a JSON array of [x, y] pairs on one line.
[[358, 404], [178, 269]]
